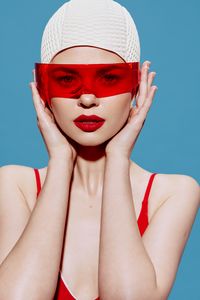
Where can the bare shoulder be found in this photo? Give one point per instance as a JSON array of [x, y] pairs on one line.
[[179, 184], [24, 178], [179, 187], [172, 207]]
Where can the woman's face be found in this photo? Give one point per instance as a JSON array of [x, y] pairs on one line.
[[114, 109]]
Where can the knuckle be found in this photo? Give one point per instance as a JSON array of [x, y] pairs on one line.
[[41, 125], [39, 116], [146, 109], [137, 127], [148, 102]]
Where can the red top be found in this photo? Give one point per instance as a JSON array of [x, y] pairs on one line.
[[62, 291]]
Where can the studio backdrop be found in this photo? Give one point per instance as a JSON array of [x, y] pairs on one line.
[[170, 139]]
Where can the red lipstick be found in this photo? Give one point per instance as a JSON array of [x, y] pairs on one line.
[[89, 123]]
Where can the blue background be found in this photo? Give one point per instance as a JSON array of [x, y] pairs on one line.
[[169, 141]]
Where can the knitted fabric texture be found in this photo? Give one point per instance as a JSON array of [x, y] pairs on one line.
[[99, 23]]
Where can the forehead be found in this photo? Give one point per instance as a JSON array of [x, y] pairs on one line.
[[86, 55]]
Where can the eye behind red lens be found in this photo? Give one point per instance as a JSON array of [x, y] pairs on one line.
[[103, 80]]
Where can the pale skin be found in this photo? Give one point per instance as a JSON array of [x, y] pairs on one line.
[[112, 261]]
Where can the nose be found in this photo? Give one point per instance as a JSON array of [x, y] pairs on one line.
[[88, 100]]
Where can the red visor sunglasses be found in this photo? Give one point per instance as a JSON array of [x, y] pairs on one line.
[[73, 80]]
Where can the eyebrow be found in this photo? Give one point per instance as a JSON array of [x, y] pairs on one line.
[[109, 68], [75, 72], [64, 69]]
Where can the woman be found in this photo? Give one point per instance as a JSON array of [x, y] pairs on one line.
[[92, 224]]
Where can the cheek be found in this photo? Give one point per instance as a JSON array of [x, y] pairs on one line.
[[63, 111], [120, 109]]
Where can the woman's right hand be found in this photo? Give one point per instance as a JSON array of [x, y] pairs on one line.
[[56, 143]]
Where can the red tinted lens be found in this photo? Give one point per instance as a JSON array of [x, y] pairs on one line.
[[72, 80], [63, 82]]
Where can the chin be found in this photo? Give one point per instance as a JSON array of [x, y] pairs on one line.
[[89, 140], [94, 138]]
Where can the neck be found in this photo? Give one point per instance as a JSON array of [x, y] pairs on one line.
[[89, 168]]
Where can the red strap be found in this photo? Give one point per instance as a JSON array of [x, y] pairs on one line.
[[143, 217], [62, 291], [37, 176]]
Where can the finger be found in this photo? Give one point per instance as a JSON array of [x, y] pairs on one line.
[[147, 104], [138, 116], [143, 88], [151, 77], [137, 97], [41, 109], [37, 92], [49, 113], [39, 106], [131, 113], [34, 76]]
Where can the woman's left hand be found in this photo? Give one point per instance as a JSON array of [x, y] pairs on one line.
[[123, 142]]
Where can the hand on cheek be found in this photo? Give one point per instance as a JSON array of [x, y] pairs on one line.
[[122, 143]]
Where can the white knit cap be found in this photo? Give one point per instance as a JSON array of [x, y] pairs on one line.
[[100, 23]]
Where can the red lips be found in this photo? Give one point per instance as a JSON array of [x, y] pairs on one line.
[[86, 118], [89, 123]]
